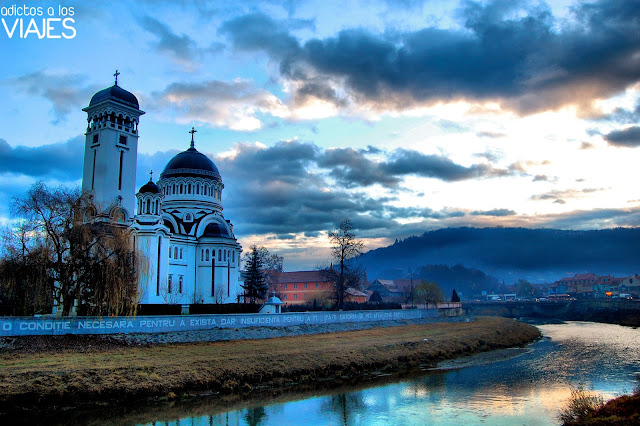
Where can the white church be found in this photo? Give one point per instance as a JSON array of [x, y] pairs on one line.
[[177, 222]]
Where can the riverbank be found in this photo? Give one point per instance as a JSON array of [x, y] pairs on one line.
[[122, 371]]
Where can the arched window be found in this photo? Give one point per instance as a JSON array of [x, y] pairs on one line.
[[219, 255], [189, 189], [233, 256], [207, 255], [181, 253], [175, 252], [198, 189], [181, 188], [148, 206], [202, 256], [157, 207], [169, 252]]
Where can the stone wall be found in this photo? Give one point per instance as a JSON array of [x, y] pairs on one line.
[[34, 326]]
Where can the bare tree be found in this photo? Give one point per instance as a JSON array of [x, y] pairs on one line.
[[345, 247], [91, 265]]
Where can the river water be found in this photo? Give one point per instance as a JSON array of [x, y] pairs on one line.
[[511, 387]]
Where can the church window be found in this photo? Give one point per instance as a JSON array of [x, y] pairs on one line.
[[169, 284], [120, 174], [157, 207], [148, 206], [95, 138], [198, 189], [181, 253], [158, 267], [175, 252], [181, 188], [189, 189], [180, 284], [173, 190], [225, 256], [207, 255], [202, 256], [219, 255], [169, 252], [233, 256], [122, 140], [93, 172]]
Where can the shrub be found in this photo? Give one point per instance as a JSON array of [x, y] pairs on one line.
[[581, 404]]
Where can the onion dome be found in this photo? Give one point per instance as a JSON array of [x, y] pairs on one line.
[[149, 187], [191, 163], [115, 93]]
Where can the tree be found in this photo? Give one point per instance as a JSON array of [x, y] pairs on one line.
[[526, 289], [89, 265], [272, 264], [255, 284], [375, 297], [345, 247], [428, 292], [454, 296]]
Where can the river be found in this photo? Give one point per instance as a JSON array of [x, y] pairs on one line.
[[510, 387]]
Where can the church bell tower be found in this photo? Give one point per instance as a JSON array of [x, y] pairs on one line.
[[110, 153]]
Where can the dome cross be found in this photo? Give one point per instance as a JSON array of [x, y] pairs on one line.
[[116, 74], [151, 176], [192, 131]]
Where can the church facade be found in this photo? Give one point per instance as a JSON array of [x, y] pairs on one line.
[[191, 253]]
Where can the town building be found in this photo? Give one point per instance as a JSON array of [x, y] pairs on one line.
[[590, 285], [177, 222], [308, 287]]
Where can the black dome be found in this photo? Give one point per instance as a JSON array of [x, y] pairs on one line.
[[191, 163], [115, 93], [149, 187]]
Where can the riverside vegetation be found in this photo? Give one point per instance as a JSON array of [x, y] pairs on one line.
[[59, 376]]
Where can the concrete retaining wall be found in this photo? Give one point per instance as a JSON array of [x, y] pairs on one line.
[[39, 326]]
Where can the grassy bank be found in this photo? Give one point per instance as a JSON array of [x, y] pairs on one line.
[[68, 377]]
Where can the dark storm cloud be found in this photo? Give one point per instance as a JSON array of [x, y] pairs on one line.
[[629, 137], [510, 51], [60, 161], [352, 168], [66, 92]]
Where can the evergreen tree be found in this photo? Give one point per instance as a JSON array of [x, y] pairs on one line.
[[255, 285], [454, 296]]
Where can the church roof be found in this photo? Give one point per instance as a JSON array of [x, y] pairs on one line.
[[149, 187], [191, 163], [115, 93]]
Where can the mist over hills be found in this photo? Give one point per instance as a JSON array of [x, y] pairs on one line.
[[508, 254]]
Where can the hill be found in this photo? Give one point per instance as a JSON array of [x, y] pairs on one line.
[[537, 255]]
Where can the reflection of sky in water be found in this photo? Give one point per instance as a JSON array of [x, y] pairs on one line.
[[526, 390]]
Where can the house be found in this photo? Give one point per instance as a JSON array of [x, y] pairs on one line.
[[301, 287], [390, 291]]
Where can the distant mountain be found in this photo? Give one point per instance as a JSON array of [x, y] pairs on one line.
[[537, 255]]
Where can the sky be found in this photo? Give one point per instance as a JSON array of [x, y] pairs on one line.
[[402, 115]]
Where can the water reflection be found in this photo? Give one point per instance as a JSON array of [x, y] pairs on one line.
[[525, 387]]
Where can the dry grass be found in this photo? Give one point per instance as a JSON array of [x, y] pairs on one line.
[[124, 374]]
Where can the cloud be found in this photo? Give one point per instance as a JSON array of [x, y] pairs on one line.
[[511, 52], [493, 135], [60, 161], [587, 145], [65, 91], [559, 196], [236, 105], [494, 212], [181, 47], [629, 137]]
